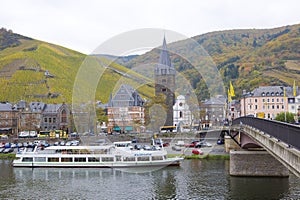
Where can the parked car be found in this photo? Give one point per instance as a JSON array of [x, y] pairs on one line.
[[2, 149], [176, 148], [197, 152], [192, 144], [24, 134], [56, 144], [20, 144], [220, 141], [154, 148], [8, 150], [166, 144], [25, 144], [68, 143], [138, 147], [134, 140], [7, 145], [147, 147], [203, 144], [74, 142], [3, 137]]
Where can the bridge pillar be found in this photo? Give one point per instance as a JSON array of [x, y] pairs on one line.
[[255, 163], [230, 144]]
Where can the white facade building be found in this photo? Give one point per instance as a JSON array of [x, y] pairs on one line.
[[182, 114]]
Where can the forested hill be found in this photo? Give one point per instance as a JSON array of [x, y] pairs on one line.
[[249, 58]]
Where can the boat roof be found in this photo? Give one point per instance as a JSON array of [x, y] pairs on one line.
[[78, 147], [123, 142]]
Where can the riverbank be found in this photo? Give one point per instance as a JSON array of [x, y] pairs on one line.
[[206, 156]]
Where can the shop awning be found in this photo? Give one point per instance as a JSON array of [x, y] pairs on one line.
[[116, 128], [128, 128]]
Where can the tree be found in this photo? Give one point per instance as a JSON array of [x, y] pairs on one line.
[[285, 117]]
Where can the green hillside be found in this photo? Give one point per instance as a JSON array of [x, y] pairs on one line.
[[24, 63], [249, 58]]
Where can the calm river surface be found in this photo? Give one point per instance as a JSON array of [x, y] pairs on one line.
[[195, 179]]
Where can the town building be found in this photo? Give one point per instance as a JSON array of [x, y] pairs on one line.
[[56, 117], [182, 114], [8, 118], [125, 111], [214, 111], [30, 115], [267, 101], [164, 75]]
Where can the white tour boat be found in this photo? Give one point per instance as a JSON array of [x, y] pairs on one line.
[[118, 155]]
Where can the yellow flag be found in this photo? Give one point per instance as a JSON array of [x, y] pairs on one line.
[[229, 96], [231, 90], [294, 89]]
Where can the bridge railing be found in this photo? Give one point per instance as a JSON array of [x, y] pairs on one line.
[[285, 132]]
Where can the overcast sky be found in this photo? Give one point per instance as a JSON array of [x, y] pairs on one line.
[[83, 25]]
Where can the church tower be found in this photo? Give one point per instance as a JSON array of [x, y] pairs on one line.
[[165, 81]]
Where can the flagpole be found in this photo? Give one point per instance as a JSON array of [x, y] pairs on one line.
[[284, 101]]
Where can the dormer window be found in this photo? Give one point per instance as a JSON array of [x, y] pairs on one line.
[[268, 94], [263, 94], [272, 94]]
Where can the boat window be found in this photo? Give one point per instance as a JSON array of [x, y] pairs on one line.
[[27, 159], [107, 159], [157, 158], [118, 158], [80, 159], [93, 159], [129, 159], [144, 158], [53, 159], [66, 159], [40, 159]]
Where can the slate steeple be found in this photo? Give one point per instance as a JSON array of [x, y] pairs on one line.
[[165, 81]]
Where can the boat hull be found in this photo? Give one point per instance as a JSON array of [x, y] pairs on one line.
[[169, 162]]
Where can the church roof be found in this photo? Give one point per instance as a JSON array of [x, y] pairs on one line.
[[126, 96], [165, 65]]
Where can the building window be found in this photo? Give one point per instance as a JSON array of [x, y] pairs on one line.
[[268, 100], [45, 120], [272, 100], [54, 120], [180, 114], [273, 107], [263, 107], [277, 106], [255, 100], [64, 116], [282, 106], [163, 89], [50, 120], [263, 100], [255, 107]]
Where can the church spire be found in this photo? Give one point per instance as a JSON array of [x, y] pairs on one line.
[[164, 58]]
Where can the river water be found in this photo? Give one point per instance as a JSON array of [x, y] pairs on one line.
[[195, 179]]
